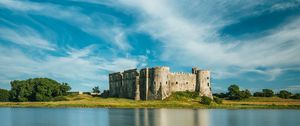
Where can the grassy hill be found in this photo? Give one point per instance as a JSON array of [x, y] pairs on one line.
[[177, 100]]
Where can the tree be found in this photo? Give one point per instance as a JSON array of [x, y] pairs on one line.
[[233, 92], [284, 94], [296, 96], [96, 89], [37, 89], [244, 94], [220, 95], [4, 95], [205, 100], [258, 94], [268, 93]]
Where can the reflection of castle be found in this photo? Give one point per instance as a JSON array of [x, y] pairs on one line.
[[159, 117], [157, 83]]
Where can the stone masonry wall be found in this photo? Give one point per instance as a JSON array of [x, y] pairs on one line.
[[158, 83]]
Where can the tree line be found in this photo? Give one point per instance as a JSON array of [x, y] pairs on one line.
[[37, 89], [234, 93]]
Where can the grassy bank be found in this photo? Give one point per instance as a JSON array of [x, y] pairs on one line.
[[172, 102]]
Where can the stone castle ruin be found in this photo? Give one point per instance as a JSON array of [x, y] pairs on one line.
[[157, 83]]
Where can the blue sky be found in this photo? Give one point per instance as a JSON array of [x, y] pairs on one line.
[[255, 44]]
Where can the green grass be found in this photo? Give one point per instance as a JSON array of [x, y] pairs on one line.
[[177, 100]]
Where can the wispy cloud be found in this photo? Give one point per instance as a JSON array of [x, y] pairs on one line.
[[196, 39], [95, 24], [26, 36], [79, 67]]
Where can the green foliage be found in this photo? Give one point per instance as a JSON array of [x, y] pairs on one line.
[[244, 94], [258, 94], [268, 93], [220, 95], [284, 94], [264, 93], [233, 92], [96, 89], [4, 95], [183, 95], [296, 96], [218, 100], [205, 100], [37, 89], [105, 94]]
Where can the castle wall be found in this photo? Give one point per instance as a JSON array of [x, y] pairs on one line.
[[129, 84], [115, 84], [158, 83], [182, 81]]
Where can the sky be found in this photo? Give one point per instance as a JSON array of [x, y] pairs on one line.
[[255, 44]]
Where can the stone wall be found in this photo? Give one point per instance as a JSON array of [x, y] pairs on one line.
[[158, 83]]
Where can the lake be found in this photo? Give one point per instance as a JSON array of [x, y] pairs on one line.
[[146, 117]]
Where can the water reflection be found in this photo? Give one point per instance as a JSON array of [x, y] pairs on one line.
[[159, 117], [146, 117]]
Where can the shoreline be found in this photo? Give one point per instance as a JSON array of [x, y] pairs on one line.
[[86, 101]]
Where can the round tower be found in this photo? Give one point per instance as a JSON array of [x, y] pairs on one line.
[[160, 86]]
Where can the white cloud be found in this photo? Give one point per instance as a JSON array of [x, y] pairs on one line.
[[79, 67], [194, 40], [26, 36], [96, 24]]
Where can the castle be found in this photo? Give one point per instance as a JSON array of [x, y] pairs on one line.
[[158, 83]]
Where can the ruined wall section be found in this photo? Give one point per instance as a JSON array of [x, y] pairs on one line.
[[182, 81], [129, 84], [115, 84]]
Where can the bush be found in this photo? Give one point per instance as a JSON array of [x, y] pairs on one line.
[[268, 93], [218, 100], [258, 94], [244, 94], [284, 94], [234, 93], [205, 100], [105, 94], [4, 95], [183, 95], [220, 95], [296, 96]]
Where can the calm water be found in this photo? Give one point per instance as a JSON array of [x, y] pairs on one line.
[[146, 117]]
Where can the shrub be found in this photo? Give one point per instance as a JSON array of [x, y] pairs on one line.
[[284, 94], [183, 95], [205, 100], [296, 96], [220, 95], [4, 95], [244, 94], [218, 100], [268, 93], [258, 94]]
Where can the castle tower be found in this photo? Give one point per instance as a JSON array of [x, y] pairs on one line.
[[203, 85], [159, 89]]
